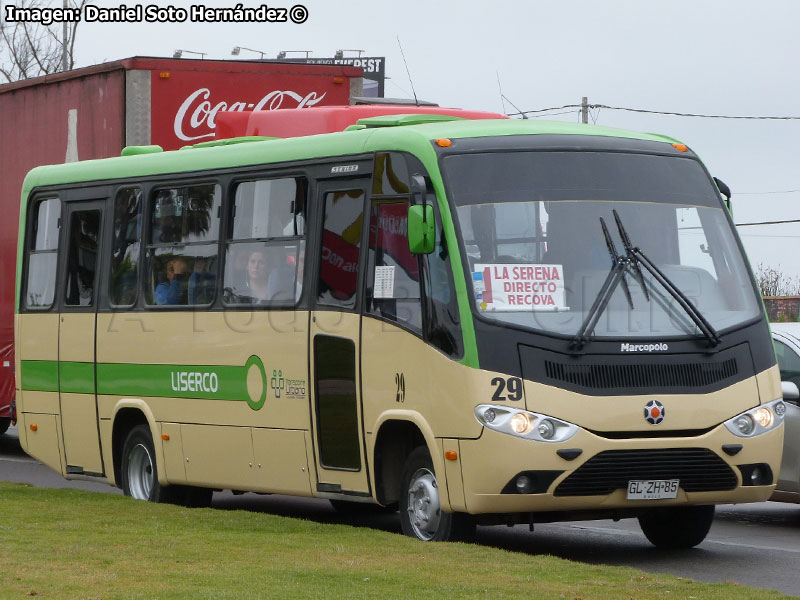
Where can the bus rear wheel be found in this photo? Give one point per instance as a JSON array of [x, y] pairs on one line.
[[139, 471], [5, 423], [421, 514], [677, 527]]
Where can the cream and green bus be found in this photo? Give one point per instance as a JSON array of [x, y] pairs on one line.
[[471, 321]]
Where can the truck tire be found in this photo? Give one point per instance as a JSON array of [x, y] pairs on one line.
[[677, 527], [421, 514]]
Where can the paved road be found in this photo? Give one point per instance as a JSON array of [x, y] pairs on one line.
[[752, 544]]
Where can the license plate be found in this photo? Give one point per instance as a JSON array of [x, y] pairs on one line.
[[653, 489]]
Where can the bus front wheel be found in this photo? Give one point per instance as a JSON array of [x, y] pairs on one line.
[[677, 527], [421, 514]]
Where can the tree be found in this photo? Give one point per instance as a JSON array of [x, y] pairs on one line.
[[772, 282], [30, 49]]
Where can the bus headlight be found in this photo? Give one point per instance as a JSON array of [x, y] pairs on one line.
[[763, 417], [521, 423], [757, 420]]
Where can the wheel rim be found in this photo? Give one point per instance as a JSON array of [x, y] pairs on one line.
[[424, 512], [140, 472]]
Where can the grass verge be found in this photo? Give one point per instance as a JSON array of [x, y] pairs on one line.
[[68, 544]]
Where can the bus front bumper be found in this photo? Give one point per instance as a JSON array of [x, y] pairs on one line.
[[707, 471]]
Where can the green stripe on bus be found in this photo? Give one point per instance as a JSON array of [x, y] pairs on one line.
[[40, 375], [173, 381], [165, 381], [76, 377]]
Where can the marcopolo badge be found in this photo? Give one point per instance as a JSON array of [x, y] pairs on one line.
[[654, 412]]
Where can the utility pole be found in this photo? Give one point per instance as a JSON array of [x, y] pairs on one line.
[[64, 40], [585, 110]]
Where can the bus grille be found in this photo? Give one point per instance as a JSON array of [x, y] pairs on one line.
[[690, 375], [699, 470]]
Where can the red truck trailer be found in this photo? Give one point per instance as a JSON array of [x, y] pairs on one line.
[[96, 111]]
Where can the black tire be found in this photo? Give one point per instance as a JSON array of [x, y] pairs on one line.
[[357, 509], [421, 515], [677, 527], [139, 473], [5, 423]]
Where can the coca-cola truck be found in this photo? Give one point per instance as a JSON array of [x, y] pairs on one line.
[[96, 111]]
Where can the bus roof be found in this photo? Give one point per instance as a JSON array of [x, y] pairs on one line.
[[414, 138], [328, 119]]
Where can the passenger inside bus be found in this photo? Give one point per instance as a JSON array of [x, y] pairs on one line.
[[170, 292], [257, 277]]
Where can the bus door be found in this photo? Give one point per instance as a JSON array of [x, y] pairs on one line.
[[77, 388], [335, 341]]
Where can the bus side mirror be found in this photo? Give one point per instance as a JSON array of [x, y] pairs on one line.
[[421, 229], [725, 191], [790, 391]]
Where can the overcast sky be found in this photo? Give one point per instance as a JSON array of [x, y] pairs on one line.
[[722, 57]]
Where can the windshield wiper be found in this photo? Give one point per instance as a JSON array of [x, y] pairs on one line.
[[615, 258], [619, 265], [632, 261], [637, 257]]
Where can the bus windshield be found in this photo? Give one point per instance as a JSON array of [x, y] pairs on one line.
[[543, 231]]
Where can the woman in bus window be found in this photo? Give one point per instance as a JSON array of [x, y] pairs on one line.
[[257, 276]]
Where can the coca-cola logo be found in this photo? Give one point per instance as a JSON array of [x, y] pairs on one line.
[[198, 111]]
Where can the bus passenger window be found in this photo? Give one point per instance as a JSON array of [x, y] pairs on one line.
[[43, 253], [341, 248], [182, 253], [394, 272], [125, 247], [265, 251]]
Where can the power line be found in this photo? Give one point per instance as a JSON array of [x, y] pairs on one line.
[[566, 112], [754, 193], [660, 112], [764, 235], [768, 223]]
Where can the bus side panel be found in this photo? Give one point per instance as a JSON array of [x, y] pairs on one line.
[[37, 357], [281, 464], [218, 456], [402, 373], [42, 439], [432, 383], [221, 377], [18, 382], [172, 449], [76, 375]]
